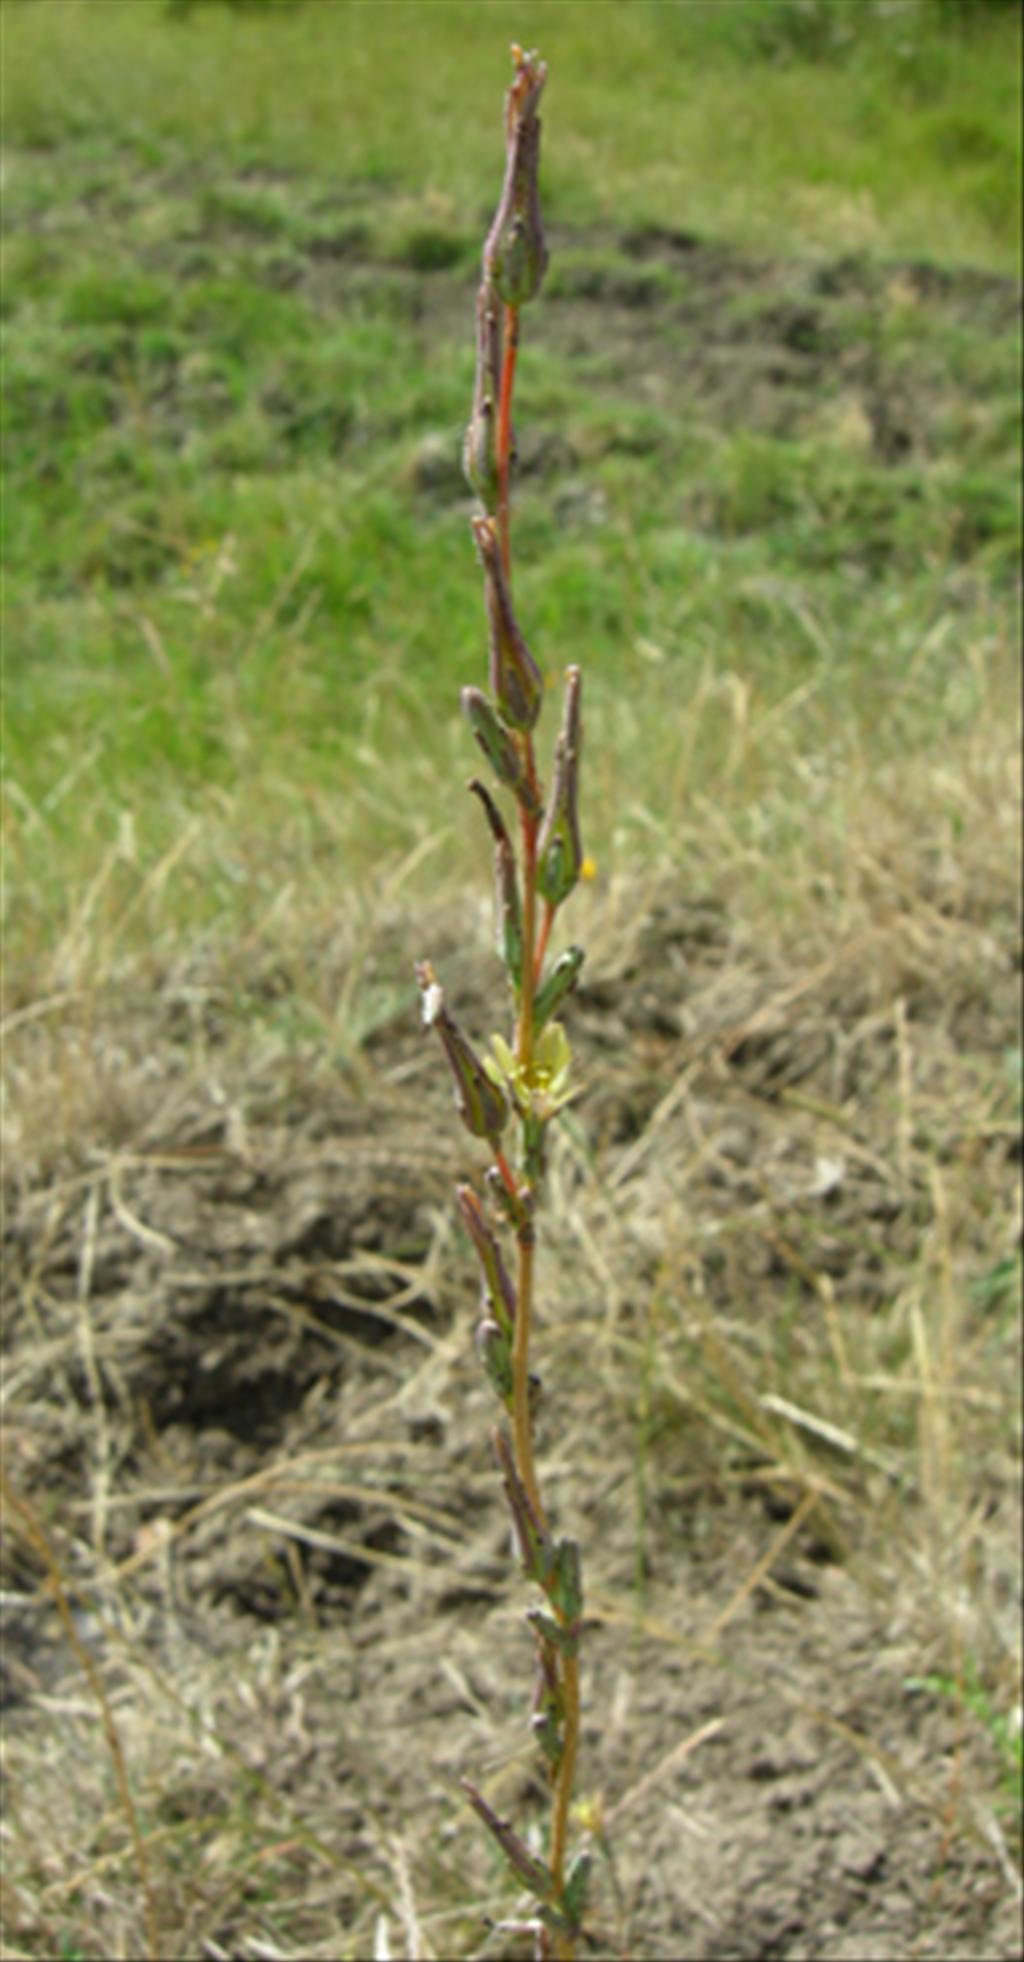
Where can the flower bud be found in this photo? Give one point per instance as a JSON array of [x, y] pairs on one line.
[[507, 910], [515, 679], [533, 1873], [560, 983], [481, 1104], [479, 449], [499, 747], [566, 1586], [566, 1639], [497, 1288], [535, 1548], [548, 1707], [559, 851], [515, 255]]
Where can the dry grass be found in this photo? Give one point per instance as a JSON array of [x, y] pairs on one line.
[[784, 1258]]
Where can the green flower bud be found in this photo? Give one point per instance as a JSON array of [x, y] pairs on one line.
[[565, 1639], [574, 1899], [507, 910], [495, 1353], [535, 1548], [499, 746], [515, 679], [481, 1104], [559, 851], [566, 1586], [498, 1291], [515, 255], [548, 1707], [560, 983]]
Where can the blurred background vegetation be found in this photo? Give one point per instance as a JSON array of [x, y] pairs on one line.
[[769, 418]]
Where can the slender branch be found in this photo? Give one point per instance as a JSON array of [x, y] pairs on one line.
[[522, 1429], [567, 1767], [546, 924]]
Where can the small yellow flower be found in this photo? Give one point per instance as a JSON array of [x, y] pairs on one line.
[[544, 1087]]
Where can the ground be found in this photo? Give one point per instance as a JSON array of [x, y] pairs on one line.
[[244, 1403]]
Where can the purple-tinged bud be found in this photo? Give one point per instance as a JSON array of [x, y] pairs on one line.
[[515, 679], [480, 447], [515, 255], [577, 1880], [564, 1638], [500, 748], [566, 1584], [498, 1290], [535, 1548], [559, 851], [532, 1872], [548, 1708], [507, 910], [481, 1104], [560, 983]]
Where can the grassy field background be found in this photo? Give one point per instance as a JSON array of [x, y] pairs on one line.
[[769, 420], [239, 285]]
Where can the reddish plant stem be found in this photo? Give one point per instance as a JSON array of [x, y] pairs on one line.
[[510, 348], [521, 1424], [528, 832], [508, 1178], [535, 943], [522, 1429], [543, 935]]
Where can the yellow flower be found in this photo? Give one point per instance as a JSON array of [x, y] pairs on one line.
[[544, 1087]]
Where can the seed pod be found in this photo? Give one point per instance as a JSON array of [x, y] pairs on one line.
[[515, 255], [559, 851], [515, 679], [481, 1104]]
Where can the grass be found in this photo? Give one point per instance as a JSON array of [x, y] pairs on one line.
[[770, 499], [234, 566]]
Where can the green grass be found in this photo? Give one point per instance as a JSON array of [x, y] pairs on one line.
[[238, 363]]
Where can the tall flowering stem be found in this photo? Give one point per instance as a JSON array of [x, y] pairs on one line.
[[528, 1079]]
